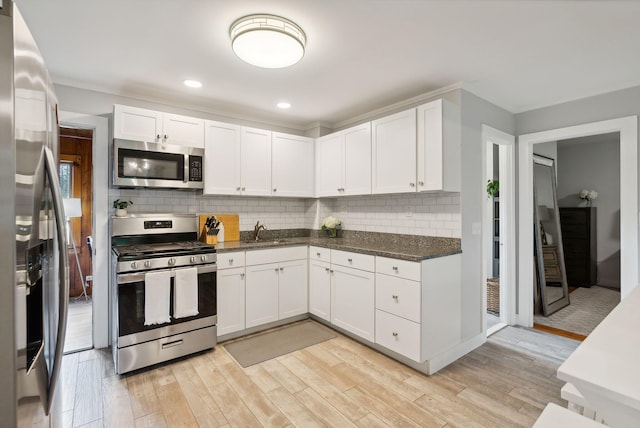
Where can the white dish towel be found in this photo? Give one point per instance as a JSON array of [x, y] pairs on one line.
[[157, 297], [185, 293]]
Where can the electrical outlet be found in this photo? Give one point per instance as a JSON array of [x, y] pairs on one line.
[[89, 278]]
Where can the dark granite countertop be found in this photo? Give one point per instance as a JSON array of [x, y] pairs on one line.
[[404, 247]]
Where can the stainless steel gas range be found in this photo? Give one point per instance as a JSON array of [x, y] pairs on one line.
[[165, 292]]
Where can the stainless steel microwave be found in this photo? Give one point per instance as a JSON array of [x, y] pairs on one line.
[[155, 165]]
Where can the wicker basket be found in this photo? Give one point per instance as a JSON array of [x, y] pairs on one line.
[[493, 295]]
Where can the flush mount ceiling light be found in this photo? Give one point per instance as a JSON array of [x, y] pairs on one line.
[[284, 105], [267, 41], [192, 83]]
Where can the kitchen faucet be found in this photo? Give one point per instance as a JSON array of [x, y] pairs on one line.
[[256, 230]]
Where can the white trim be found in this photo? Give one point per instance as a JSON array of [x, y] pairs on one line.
[[628, 128], [452, 354], [506, 143], [100, 260]]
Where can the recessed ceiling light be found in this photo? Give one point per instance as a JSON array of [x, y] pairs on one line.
[[267, 41], [284, 105], [193, 83]]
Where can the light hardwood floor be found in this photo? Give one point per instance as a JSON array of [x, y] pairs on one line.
[[336, 383], [79, 325]]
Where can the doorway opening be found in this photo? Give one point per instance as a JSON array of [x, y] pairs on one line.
[[627, 128], [498, 231], [76, 178]]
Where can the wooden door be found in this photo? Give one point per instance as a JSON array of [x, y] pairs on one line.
[[76, 160]]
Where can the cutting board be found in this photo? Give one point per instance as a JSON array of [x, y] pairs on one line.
[[231, 224]]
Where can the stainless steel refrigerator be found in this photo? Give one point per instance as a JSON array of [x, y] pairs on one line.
[[33, 261]]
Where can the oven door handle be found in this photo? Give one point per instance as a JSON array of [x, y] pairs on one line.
[[128, 278]]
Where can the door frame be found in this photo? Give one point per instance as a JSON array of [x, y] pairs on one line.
[[102, 245], [506, 144], [628, 129]]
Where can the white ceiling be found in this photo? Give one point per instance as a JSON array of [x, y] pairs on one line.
[[361, 54]]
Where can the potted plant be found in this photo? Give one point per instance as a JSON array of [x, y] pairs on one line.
[[493, 186], [332, 225], [121, 207]]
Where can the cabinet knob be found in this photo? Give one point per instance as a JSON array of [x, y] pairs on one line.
[[350, 260], [326, 269], [230, 261], [166, 137], [421, 183], [275, 190], [158, 136], [243, 188], [238, 189], [241, 276], [395, 268], [394, 334], [318, 254], [281, 269], [412, 184], [394, 297], [331, 270], [276, 269]]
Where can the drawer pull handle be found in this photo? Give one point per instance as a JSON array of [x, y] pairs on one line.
[[394, 334], [394, 297], [395, 268], [350, 260], [172, 344]]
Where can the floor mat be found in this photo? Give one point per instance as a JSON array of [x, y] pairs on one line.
[[265, 346]]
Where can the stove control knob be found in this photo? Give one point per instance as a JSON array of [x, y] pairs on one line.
[[172, 261], [203, 258], [134, 265], [192, 259], [147, 264]]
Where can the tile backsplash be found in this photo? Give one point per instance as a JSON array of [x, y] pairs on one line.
[[428, 214]]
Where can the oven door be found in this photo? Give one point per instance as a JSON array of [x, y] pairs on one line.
[[130, 308], [142, 164]]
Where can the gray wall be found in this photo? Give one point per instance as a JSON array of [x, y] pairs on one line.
[[475, 113], [595, 166]]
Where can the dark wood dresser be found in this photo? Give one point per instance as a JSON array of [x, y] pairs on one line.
[[579, 245]]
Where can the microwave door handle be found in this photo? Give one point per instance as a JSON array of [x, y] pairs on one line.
[[63, 272], [187, 168]]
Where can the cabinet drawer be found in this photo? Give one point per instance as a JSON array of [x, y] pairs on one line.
[[398, 334], [354, 260], [231, 260], [319, 254], [275, 255], [399, 268], [398, 296]]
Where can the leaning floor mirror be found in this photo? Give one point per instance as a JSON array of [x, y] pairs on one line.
[[552, 277]]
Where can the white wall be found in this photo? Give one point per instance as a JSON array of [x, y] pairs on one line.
[[595, 166]]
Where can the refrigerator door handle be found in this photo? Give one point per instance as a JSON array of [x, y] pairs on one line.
[[63, 271]]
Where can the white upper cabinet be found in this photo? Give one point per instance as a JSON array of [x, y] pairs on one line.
[[394, 153], [238, 160], [438, 147], [133, 123], [292, 165], [222, 157], [344, 162]]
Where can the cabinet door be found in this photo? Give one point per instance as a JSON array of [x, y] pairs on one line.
[[256, 162], [132, 123], [329, 165], [261, 294], [352, 301], [222, 158], [183, 130], [230, 300], [394, 153], [320, 289], [292, 289], [292, 165], [430, 158], [357, 160]]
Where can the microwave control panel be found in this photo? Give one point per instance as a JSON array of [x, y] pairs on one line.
[[195, 168]]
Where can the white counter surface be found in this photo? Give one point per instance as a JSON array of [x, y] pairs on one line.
[[605, 368]]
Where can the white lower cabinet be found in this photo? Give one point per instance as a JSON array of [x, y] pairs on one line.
[[320, 289], [231, 300], [352, 300], [398, 334], [262, 294], [276, 285]]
